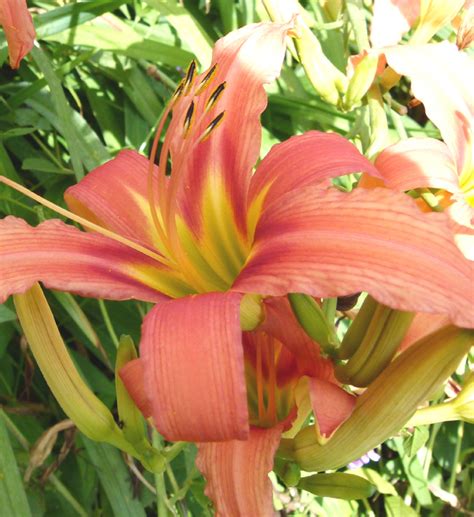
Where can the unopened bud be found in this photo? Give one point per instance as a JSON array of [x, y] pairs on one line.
[[387, 404]]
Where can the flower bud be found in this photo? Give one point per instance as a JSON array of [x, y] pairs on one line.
[[338, 485], [79, 403], [314, 322], [387, 404]]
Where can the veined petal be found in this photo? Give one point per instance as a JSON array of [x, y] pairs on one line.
[[331, 405], [19, 30], [417, 163], [115, 196], [300, 161], [441, 77], [391, 20], [132, 375], [194, 368], [237, 473], [64, 258], [329, 243], [245, 60]]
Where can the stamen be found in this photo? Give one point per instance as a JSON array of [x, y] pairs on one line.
[[271, 408], [210, 128], [206, 81], [215, 96], [177, 93], [188, 119], [84, 222], [189, 79], [259, 378]]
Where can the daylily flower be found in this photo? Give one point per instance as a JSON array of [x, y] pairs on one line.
[[213, 237], [19, 30], [441, 77], [394, 18]]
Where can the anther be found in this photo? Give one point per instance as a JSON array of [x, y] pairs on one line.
[[206, 81], [177, 93], [215, 123], [188, 80], [215, 96], [188, 119]]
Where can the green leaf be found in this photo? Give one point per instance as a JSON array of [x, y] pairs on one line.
[[122, 38], [395, 507], [72, 15], [187, 27], [114, 478], [382, 485], [6, 314], [13, 501], [339, 485], [43, 165], [415, 474], [62, 108], [416, 440]]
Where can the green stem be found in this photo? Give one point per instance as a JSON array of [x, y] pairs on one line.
[[108, 323], [457, 453], [160, 487], [429, 449], [172, 451]]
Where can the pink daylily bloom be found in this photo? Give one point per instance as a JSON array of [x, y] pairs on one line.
[[441, 77], [19, 30], [392, 19], [200, 239]]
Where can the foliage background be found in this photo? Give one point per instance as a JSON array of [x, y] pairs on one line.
[[98, 84]]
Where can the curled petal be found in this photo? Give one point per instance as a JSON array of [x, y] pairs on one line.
[[418, 163], [64, 258], [19, 30], [281, 324], [115, 196], [193, 361], [441, 77], [331, 405], [328, 243], [132, 375], [391, 20], [315, 157], [237, 473]]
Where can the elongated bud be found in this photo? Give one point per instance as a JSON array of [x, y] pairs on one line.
[[337, 484], [358, 329], [387, 404], [360, 81], [379, 136], [459, 408], [79, 403], [314, 322], [329, 82], [384, 334], [251, 311]]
